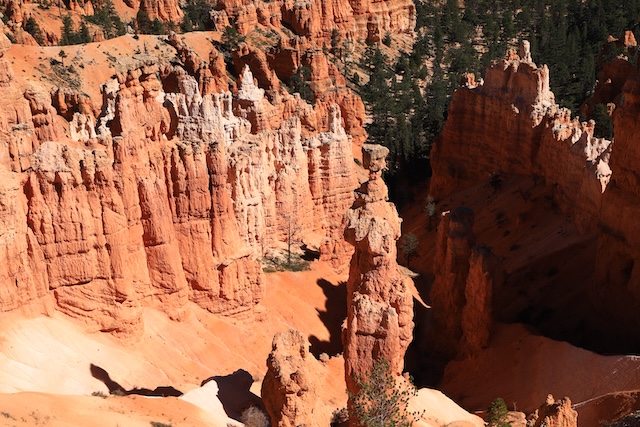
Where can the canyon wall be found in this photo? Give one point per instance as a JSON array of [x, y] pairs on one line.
[[616, 288], [379, 322], [169, 195], [509, 124]]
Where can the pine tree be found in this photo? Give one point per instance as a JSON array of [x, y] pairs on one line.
[[83, 34], [497, 414], [68, 34], [381, 401], [31, 26], [107, 18]]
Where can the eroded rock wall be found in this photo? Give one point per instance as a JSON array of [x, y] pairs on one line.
[[616, 286], [535, 137], [461, 295], [172, 196], [315, 19], [594, 180]]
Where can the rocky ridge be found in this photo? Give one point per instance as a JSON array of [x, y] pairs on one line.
[[315, 20]]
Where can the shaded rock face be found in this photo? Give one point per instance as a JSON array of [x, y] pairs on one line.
[[293, 376], [537, 138], [465, 274], [379, 322], [554, 413], [616, 288], [593, 180], [164, 198]]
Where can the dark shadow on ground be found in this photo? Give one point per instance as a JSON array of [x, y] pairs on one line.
[[235, 394], [115, 388], [334, 314]]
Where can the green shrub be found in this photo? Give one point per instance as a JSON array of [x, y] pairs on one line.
[[99, 394], [387, 39], [295, 263]]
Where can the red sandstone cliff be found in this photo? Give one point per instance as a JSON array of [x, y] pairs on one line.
[[379, 321], [163, 10], [170, 197], [616, 290], [536, 137], [355, 19], [593, 180]]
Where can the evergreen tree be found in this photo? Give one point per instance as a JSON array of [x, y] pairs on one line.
[[83, 34], [299, 82], [567, 35], [497, 414], [381, 402], [68, 33], [31, 26], [196, 16], [107, 18]]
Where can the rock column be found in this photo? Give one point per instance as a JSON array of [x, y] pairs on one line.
[[380, 306]]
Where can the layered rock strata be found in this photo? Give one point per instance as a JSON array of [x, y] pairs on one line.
[[289, 389], [163, 10], [357, 20], [461, 295], [379, 322], [170, 197]]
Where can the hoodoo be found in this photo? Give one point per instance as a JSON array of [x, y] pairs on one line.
[[379, 321]]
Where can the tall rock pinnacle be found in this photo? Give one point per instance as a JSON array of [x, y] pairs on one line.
[[380, 306]]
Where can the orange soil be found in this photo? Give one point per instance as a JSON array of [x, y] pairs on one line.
[[53, 355]]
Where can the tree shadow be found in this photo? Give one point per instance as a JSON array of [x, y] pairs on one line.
[[234, 393], [333, 317], [115, 388]]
